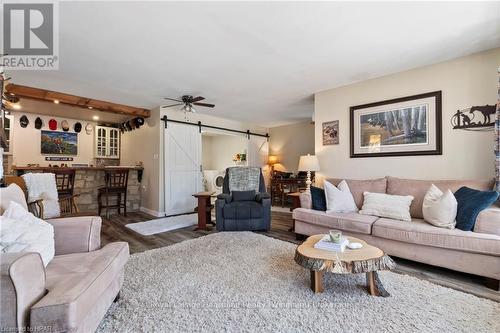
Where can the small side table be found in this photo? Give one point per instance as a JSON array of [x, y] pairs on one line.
[[295, 196], [204, 209]]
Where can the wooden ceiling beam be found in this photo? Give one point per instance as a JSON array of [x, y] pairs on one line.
[[78, 101]]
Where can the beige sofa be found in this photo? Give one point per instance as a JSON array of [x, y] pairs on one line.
[[475, 252], [74, 291]]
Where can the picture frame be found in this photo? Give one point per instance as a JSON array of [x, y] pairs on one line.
[[58, 143], [330, 133], [406, 126]]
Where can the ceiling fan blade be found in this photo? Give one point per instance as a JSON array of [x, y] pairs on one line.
[[197, 99], [205, 105], [171, 99], [167, 106]]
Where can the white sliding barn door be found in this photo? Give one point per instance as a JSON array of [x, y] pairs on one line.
[[182, 167], [258, 153]]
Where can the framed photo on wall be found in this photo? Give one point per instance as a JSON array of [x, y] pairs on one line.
[[406, 126], [331, 133], [58, 143]]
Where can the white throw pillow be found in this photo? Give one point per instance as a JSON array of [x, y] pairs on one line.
[[385, 205], [21, 231], [339, 199], [440, 209]]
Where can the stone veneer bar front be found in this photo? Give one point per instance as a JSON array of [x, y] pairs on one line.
[[89, 179]]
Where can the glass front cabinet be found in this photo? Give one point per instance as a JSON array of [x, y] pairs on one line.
[[107, 142]]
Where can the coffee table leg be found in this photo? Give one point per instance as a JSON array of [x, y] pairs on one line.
[[371, 283], [317, 281]]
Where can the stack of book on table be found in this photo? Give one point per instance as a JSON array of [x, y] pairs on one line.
[[326, 244]]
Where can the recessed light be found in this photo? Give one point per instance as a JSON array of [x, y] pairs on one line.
[[56, 101], [16, 106], [90, 107], [95, 117]]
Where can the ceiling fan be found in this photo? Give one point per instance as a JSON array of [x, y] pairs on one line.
[[187, 102]]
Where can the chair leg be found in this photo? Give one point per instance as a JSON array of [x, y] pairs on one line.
[[125, 204], [99, 204], [107, 205], [119, 202]]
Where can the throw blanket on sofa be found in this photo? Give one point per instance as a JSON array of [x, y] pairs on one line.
[[244, 179], [43, 186]]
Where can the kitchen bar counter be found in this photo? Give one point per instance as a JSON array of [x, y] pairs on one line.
[[89, 179]]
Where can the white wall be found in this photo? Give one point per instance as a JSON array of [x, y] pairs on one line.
[[218, 150], [289, 142], [464, 82], [26, 141]]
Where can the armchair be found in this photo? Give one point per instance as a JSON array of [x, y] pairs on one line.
[[74, 291], [243, 214]]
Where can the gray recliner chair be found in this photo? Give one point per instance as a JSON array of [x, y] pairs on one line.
[[244, 204]]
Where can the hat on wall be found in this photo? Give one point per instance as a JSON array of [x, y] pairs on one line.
[[38, 123], [65, 125], [139, 121], [52, 124], [77, 127], [89, 128], [23, 121]]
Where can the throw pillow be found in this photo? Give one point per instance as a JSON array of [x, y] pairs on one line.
[[243, 195], [385, 205], [21, 231], [470, 203], [318, 198], [339, 198], [440, 209]]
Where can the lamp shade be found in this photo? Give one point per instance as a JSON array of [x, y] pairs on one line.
[[308, 163], [273, 159]]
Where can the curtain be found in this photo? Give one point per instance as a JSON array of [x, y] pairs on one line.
[[497, 138]]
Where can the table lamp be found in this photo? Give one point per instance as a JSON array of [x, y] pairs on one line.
[[308, 163], [272, 160]]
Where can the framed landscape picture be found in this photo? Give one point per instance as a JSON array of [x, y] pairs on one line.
[[59, 143], [404, 126], [331, 133]]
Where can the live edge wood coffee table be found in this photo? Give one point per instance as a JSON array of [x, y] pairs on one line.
[[369, 259]]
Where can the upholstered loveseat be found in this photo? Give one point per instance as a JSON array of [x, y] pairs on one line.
[[74, 291], [475, 252]]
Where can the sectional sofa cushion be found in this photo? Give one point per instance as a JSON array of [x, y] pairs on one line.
[[470, 204], [488, 221], [422, 233], [318, 199], [418, 189], [73, 283], [358, 187], [352, 222]]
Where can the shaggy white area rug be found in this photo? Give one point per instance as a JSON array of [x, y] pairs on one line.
[[163, 224], [245, 282]]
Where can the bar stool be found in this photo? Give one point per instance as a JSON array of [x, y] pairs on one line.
[[65, 182], [116, 184]]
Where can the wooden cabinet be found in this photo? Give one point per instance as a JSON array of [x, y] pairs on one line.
[[107, 142]]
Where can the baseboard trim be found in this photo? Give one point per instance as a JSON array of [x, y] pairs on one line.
[[151, 212]]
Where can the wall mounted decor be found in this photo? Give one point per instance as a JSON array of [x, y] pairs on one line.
[[58, 158], [474, 118], [59, 143], [331, 133], [403, 126]]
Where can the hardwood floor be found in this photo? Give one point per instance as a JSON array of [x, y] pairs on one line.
[[113, 229]]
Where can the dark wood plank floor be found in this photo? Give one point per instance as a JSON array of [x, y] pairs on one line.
[[113, 229]]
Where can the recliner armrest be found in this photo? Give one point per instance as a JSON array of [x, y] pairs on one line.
[[76, 234], [22, 285], [261, 196], [224, 196]]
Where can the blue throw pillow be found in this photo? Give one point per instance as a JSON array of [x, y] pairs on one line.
[[243, 195], [470, 204], [318, 198]]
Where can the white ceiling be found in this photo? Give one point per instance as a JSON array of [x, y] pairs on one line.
[[258, 62]]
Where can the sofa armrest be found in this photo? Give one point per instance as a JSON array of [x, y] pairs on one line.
[[76, 234], [305, 200], [261, 196], [22, 284], [226, 197], [488, 221]]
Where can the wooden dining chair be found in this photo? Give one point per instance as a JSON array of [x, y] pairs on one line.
[[116, 184], [65, 182]]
